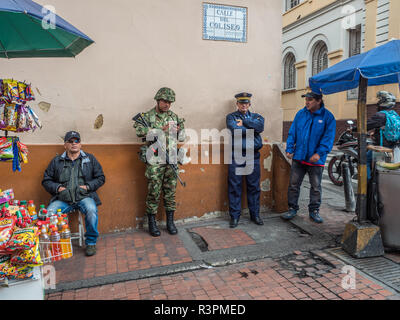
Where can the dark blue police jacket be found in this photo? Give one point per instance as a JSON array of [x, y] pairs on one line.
[[250, 121]]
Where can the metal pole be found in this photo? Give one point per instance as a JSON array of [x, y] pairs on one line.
[[348, 188], [362, 150]]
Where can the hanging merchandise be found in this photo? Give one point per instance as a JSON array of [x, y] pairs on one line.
[[16, 116]]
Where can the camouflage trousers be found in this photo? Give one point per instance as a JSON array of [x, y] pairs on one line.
[[160, 177]]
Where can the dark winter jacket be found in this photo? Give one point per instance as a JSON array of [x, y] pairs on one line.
[[91, 174]]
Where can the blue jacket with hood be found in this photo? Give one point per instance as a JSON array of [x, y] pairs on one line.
[[311, 133]]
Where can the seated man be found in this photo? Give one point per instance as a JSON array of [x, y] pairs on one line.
[[72, 179]]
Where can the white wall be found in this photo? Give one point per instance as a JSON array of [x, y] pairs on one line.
[[142, 46]]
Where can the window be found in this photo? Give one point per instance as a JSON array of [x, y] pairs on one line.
[[289, 75], [354, 49], [355, 41], [319, 58], [291, 3]]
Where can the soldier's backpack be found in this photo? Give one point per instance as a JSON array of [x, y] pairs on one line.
[[392, 126]]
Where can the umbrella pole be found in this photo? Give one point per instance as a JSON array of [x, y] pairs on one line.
[[361, 208], [361, 238]]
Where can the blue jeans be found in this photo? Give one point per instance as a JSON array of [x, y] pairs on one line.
[[297, 174], [88, 207]]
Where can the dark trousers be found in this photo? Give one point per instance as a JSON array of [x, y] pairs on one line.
[[297, 174], [252, 188]]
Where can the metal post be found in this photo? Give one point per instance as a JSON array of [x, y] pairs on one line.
[[362, 150], [348, 188]]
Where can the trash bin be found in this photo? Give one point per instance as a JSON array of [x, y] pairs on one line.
[[389, 195]]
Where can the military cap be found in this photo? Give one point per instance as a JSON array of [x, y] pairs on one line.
[[243, 97]]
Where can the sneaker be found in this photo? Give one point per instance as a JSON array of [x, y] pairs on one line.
[[90, 250], [314, 215], [289, 215]]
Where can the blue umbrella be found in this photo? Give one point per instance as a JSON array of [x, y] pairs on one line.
[[24, 35], [380, 65], [377, 66]]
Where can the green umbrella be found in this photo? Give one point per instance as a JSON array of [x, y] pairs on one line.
[[29, 30]]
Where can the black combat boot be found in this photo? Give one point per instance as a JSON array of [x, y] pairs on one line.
[[153, 225], [170, 223]]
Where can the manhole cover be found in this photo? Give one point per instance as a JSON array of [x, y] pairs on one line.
[[380, 268]]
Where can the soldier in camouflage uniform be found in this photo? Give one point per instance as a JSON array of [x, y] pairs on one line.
[[161, 176]]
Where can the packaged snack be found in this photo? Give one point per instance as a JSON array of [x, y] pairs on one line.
[[21, 123], [2, 115], [6, 231], [6, 152], [6, 195], [10, 88], [30, 121], [29, 93], [11, 117], [21, 91], [10, 271], [23, 152], [35, 117], [30, 257], [23, 239]]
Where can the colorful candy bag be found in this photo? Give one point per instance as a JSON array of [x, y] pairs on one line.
[[23, 152], [35, 117], [29, 93], [10, 90], [21, 123], [6, 195], [6, 231], [11, 115], [21, 91], [23, 239], [30, 257], [2, 115], [7, 269], [6, 151]]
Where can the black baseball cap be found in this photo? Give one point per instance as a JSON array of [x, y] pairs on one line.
[[312, 95], [72, 134]]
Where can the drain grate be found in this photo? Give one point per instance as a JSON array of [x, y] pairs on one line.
[[380, 268], [199, 241]]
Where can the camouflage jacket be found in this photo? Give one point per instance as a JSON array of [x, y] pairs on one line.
[[157, 120]]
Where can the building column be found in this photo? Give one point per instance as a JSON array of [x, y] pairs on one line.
[[371, 11], [302, 83], [336, 101], [394, 19]]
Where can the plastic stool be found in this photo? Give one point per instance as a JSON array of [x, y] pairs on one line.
[[80, 235]]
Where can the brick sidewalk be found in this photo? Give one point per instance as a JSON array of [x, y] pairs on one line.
[[123, 252], [265, 279], [296, 276], [221, 238]]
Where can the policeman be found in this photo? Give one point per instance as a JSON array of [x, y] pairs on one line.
[[168, 128], [245, 127]]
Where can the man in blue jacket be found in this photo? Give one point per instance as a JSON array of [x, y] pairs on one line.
[[310, 139], [245, 127]]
